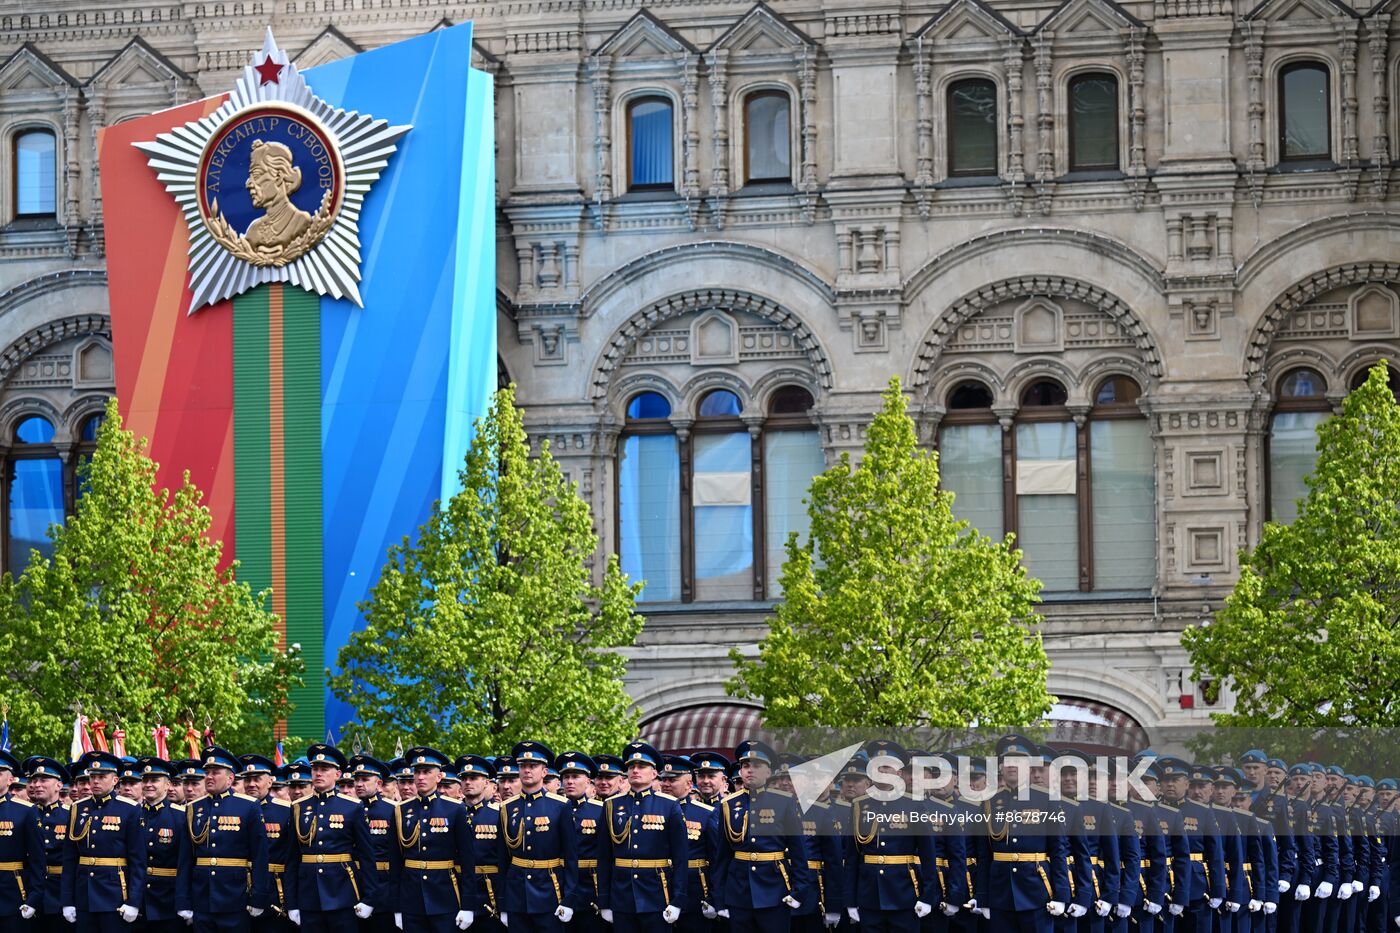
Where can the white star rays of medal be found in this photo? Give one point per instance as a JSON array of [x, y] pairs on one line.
[[362, 147]]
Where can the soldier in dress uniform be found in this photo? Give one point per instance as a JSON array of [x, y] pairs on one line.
[[484, 814], [759, 871], [1025, 878], [576, 771], [403, 777], [1261, 854], [539, 885], [677, 779], [1232, 849], [82, 788], [1126, 889], [438, 884], [129, 780], [1152, 888], [451, 786], [23, 856], [1326, 863], [104, 861], [1086, 857], [333, 877], [298, 780], [610, 777], [192, 783], [259, 777], [1372, 915], [1174, 776], [643, 857], [46, 779], [226, 885], [892, 880], [279, 785], [1268, 801], [1207, 888], [1296, 880], [166, 844], [710, 769], [507, 777], [370, 774]]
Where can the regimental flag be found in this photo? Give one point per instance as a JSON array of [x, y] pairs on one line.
[[337, 252]]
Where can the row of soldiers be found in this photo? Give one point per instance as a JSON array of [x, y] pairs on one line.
[[644, 841]]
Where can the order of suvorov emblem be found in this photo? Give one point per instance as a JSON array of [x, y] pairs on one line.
[[272, 183]]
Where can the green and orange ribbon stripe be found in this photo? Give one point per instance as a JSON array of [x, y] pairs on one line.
[[277, 471]]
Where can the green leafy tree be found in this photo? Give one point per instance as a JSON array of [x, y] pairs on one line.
[[895, 613], [487, 629], [1310, 637], [133, 618]]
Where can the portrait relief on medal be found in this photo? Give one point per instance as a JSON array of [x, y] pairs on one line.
[[270, 186]]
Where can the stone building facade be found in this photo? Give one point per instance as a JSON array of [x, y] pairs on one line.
[[1123, 257]]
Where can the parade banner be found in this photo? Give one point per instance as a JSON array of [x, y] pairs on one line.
[[302, 287]]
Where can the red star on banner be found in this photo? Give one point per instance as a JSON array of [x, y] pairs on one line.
[[267, 71]]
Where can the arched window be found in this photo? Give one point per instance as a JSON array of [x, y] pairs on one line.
[[649, 144], [969, 458], [1301, 406], [1359, 378], [1047, 494], [1304, 124], [767, 137], [1122, 489], [704, 514], [35, 173], [648, 498], [35, 488], [1093, 122], [972, 127]]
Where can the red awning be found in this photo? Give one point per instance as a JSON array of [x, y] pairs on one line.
[[716, 728], [1095, 728]]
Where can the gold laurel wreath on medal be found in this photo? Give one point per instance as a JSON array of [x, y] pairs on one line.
[[279, 254]]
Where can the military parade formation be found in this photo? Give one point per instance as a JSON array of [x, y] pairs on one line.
[[707, 843]]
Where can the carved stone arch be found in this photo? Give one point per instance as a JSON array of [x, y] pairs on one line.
[[1041, 367], [1138, 699], [79, 411], [705, 299], [1104, 367], [33, 288], [636, 383], [964, 370], [597, 293], [1302, 292], [1363, 358], [1028, 286], [702, 384], [773, 380], [47, 334], [23, 407], [1280, 364]]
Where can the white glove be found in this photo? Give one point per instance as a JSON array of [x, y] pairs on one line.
[[606, 914], [948, 909], [831, 919], [70, 914], [1283, 886], [1270, 907], [1255, 906], [185, 915], [671, 914], [254, 912], [128, 913], [1232, 907], [565, 914], [986, 912], [706, 911], [1151, 908], [1397, 921], [398, 921], [792, 902], [1101, 908], [722, 914], [362, 910], [1122, 911], [26, 911], [971, 905], [505, 921], [1344, 891], [1324, 890], [1056, 908], [854, 914], [464, 919], [294, 916], [922, 909], [1077, 910], [1176, 910], [1372, 893], [1302, 892]]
